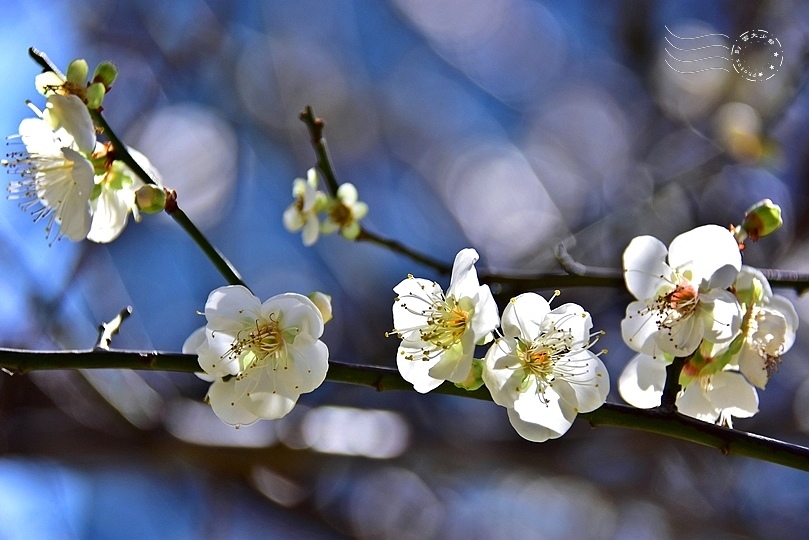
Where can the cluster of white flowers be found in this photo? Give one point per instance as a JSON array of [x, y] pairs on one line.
[[67, 177], [260, 357], [696, 300], [342, 213], [540, 369]]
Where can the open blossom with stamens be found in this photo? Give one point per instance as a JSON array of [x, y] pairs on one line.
[[768, 329], [57, 179], [439, 331], [542, 370], [260, 356], [682, 298], [302, 213]]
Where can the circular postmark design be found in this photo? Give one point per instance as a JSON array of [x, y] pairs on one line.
[[757, 55]]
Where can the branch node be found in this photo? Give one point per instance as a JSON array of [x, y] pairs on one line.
[[567, 262], [378, 384]]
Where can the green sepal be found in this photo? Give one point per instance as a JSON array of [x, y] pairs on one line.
[[474, 380]]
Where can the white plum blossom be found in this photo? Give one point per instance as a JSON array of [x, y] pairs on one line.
[[260, 356], [710, 391], [439, 331], [302, 213], [345, 212], [542, 370], [681, 292], [768, 329], [57, 178]]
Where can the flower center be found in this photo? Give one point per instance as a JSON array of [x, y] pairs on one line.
[[266, 340], [676, 305], [682, 299], [341, 214], [446, 319], [299, 201], [538, 361], [548, 358], [446, 323]]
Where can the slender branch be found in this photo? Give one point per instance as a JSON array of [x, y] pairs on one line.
[[397, 247], [222, 264], [315, 126], [608, 277], [671, 424], [121, 152]]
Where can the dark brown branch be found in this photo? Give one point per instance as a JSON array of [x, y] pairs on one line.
[[671, 424]]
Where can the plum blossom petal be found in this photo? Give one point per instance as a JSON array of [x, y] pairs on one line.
[[710, 253], [641, 382], [645, 268]]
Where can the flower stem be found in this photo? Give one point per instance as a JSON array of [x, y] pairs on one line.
[[397, 247], [671, 424]]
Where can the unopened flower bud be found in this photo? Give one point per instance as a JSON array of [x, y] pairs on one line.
[[762, 219], [95, 95], [77, 72], [150, 199], [105, 73], [323, 303]]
